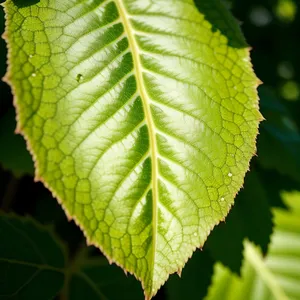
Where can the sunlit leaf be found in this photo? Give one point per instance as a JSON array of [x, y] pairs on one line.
[[142, 119]]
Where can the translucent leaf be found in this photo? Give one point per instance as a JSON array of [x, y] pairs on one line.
[[141, 117]]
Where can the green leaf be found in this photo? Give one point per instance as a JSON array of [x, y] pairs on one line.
[[275, 277], [30, 259], [250, 218], [141, 116]]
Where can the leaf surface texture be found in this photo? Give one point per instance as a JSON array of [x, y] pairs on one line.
[[141, 117]]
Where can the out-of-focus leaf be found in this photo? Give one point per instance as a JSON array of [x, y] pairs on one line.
[[279, 139], [33, 266], [275, 277], [286, 10], [13, 153], [31, 260], [250, 218]]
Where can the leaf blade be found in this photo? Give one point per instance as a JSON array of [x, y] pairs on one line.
[[136, 144]]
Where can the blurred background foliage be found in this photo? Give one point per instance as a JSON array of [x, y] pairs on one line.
[[238, 261]]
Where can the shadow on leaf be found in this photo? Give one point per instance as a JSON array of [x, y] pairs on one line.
[[25, 3], [216, 15]]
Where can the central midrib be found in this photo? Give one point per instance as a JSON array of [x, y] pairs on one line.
[[148, 116]]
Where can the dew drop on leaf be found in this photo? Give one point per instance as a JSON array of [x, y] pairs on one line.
[[79, 77]]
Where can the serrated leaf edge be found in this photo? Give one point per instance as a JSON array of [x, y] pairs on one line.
[[37, 178]]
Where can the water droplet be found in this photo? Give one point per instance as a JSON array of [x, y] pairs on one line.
[[30, 56], [195, 234], [33, 74], [79, 77], [222, 199], [229, 174]]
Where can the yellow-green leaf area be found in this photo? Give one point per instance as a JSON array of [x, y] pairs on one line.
[[141, 117]]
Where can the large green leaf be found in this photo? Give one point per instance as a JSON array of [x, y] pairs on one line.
[[33, 265], [30, 259], [275, 277], [279, 132], [141, 117]]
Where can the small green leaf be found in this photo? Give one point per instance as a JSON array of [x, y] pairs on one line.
[[31, 260], [142, 118], [274, 277]]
